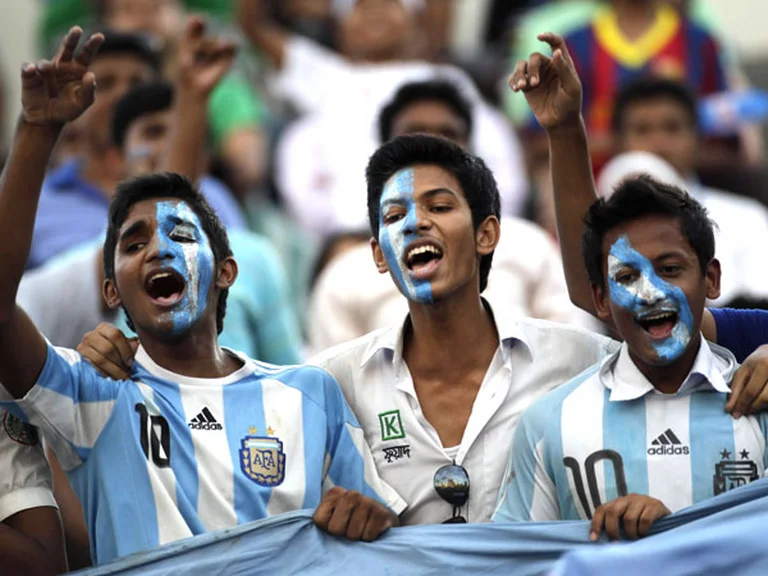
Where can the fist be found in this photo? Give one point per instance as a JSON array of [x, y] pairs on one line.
[[637, 512]]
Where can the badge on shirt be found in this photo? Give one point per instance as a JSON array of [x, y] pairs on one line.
[[732, 473], [19, 431], [391, 425], [262, 460]]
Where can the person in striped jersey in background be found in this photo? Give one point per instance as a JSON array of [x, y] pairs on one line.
[[274, 439]]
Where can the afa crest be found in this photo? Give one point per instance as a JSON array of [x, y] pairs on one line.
[[262, 460], [20, 431]]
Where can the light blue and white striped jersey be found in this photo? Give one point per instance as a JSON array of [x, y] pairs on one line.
[[162, 457], [608, 433]]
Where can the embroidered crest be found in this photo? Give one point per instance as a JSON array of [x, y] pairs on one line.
[[19, 431], [262, 460]]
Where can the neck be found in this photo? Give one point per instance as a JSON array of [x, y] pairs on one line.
[[635, 17], [451, 335], [196, 355], [668, 379], [99, 171]]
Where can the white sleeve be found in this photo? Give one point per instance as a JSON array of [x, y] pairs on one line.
[[25, 477], [311, 75]]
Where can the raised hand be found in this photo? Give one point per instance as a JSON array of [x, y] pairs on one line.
[[203, 60], [54, 92], [551, 85]]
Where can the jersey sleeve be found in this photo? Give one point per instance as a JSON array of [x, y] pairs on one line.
[[25, 478], [528, 493], [349, 460], [741, 331], [70, 404]]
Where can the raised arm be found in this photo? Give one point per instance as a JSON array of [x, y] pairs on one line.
[[53, 93], [553, 91], [203, 62], [266, 35]]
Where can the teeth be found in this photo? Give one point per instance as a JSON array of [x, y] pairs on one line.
[[423, 250], [659, 316], [160, 275]]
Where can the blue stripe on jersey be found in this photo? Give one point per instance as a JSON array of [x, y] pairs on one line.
[[708, 425], [58, 375], [242, 419], [624, 430], [315, 450]]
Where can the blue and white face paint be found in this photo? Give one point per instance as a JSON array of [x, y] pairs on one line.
[[396, 236], [647, 296], [187, 250]]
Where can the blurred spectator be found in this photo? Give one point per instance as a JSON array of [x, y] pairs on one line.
[[351, 298], [320, 160], [75, 197], [659, 117], [235, 111]]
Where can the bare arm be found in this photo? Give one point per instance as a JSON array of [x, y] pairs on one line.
[[75, 530], [203, 62], [31, 542], [267, 36], [53, 93]]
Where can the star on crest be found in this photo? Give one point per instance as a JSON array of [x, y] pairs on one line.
[[744, 454], [252, 431], [725, 454], [270, 431]]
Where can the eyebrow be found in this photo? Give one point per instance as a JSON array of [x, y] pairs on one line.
[[133, 229], [437, 191]]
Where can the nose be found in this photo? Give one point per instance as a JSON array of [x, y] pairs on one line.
[[417, 220], [159, 248]]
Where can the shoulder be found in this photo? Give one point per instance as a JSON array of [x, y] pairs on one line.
[[345, 360], [567, 338], [313, 382]]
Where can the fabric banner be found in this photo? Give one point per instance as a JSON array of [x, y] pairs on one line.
[[721, 535]]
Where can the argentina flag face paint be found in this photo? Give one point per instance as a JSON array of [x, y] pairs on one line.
[[186, 253], [659, 307], [396, 234]]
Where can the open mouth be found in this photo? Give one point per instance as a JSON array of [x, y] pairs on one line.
[[423, 259], [659, 325], [165, 287]]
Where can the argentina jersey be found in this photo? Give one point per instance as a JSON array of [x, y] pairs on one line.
[[163, 457], [608, 433]]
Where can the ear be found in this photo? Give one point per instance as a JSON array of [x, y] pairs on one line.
[[110, 294], [227, 273], [600, 296], [378, 257], [487, 235], [713, 279]]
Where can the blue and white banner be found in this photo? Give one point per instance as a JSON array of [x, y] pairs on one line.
[[725, 535]]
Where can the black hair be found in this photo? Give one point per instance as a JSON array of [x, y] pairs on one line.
[[147, 98], [134, 44], [651, 88], [166, 185], [642, 196], [476, 180], [413, 92]]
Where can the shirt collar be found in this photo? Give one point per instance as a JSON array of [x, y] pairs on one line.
[[712, 368], [391, 339]]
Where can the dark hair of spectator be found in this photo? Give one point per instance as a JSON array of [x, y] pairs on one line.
[[166, 185], [148, 98], [328, 249], [650, 89], [415, 92], [638, 197], [476, 180], [119, 43]]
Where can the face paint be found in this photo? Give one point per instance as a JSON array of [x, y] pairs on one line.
[[396, 236], [186, 248], [649, 294]]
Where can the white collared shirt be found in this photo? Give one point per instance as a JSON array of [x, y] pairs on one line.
[[535, 356], [609, 433]]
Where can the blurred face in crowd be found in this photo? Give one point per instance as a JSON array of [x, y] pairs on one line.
[[162, 19], [426, 239], [431, 117], [662, 127], [376, 30], [145, 142], [115, 74]]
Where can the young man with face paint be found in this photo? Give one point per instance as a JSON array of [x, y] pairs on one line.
[[199, 438], [644, 432]]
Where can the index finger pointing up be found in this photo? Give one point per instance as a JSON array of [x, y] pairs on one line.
[[556, 42], [69, 44], [89, 49]]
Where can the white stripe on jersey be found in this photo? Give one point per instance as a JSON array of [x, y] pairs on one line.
[[669, 476], [581, 430], [81, 423], [216, 485], [544, 505], [748, 436], [170, 524], [279, 401], [327, 482]]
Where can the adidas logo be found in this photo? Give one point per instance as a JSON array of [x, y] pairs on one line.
[[667, 444], [204, 421]]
